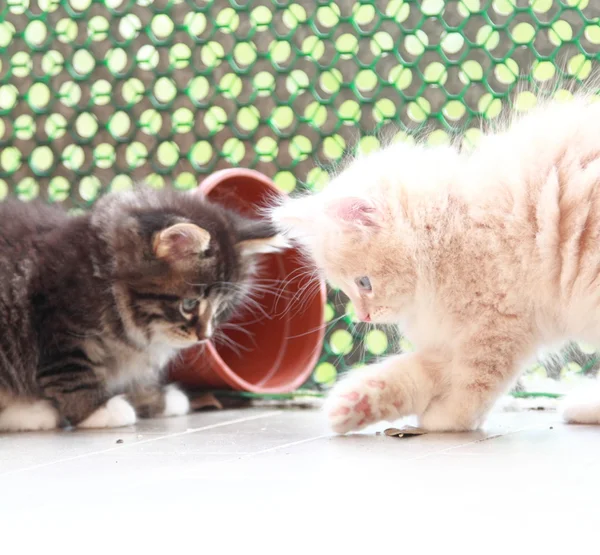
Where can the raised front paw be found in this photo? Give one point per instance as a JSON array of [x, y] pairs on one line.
[[361, 400]]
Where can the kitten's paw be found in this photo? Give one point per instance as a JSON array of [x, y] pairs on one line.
[[117, 412], [582, 409], [176, 402], [29, 417], [359, 401], [443, 420]]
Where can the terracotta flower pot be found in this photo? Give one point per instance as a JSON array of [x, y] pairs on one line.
[[277, 350]]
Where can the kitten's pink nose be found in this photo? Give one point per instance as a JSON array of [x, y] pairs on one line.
[[364, 316]]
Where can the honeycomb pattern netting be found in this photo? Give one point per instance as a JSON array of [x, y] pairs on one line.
[[97, 94]]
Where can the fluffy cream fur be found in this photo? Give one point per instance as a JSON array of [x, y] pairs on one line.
[[480, 256]]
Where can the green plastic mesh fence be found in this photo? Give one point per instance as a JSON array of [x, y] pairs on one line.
[[96, 94]]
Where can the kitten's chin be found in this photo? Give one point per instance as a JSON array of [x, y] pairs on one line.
[[194, 343], [384, 321], [387, 317], [180, 342]]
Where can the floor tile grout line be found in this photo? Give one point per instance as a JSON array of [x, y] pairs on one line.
[[142, 442], [277, 448]]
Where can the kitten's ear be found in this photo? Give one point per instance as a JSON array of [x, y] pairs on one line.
[[276, 243], [180, 240], [353, 211], [295, 217], [259, 237]]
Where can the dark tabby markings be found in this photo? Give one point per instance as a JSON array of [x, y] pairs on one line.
[[145, 296], [63, 280]]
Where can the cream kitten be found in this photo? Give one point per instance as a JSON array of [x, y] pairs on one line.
[[481, 257]]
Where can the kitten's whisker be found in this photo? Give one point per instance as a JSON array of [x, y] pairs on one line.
[[325, 325], [198, 353], [250, 302], [299, 298], [306, 295], [237, 327], [233, 345]]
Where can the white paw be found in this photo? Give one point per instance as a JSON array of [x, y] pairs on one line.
[[21, 417], [359, 401], [582, 408], [115, 413], [176, 402]]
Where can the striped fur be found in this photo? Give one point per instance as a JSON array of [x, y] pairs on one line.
[[88, 310]]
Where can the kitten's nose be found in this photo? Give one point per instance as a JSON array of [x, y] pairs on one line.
[[203, 333], [363, 316]]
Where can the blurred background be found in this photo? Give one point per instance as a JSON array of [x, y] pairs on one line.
[[97, 94]]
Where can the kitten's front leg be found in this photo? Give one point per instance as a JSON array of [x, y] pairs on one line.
[[154, 401], [399, 386], [79, 394], [484, 369]]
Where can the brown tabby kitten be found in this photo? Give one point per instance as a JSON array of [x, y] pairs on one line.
[[93, 306]]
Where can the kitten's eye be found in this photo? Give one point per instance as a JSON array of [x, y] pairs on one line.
[[363, 283], [188, 305]]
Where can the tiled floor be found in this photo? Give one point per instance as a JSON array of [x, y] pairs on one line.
[[223, 481]]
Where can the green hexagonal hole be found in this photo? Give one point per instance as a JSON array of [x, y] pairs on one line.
[[316, 180], [230, 85], [73, 157], [136, 154], [341, 342], [211, 54], [150, 122], [89, 188], [376, 342], [162, 26], [182, 120], [285, 181], [56, 126], [349, 112], [200, 154], [104, 155], [180, 55], [10, 159], [244, 53], [261, 17], [248, 118], [233, 150], [119, 125], [282, 117], [167, 154], [165, 90], [334, 147], [215, 119], [300, 147], [24, 127], [325, 373], [27, 189], [8, 97], [315, 114], [86, 125], [59, 189], [267, 149], [198, 89]]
